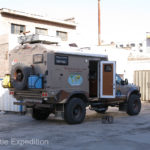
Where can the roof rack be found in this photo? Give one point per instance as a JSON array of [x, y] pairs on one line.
[[36, 38]]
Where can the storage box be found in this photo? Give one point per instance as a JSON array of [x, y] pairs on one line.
[[35, 82]]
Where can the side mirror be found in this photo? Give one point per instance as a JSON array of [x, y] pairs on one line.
[[122, 82], [126, 81]]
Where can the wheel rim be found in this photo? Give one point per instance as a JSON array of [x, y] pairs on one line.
[[77, 111], [18, 75], [136, 105]]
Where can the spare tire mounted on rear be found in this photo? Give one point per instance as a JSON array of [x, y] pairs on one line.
[[19, 76]]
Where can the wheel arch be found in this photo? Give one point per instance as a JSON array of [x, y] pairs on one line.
[[80, 95], [133, 91]]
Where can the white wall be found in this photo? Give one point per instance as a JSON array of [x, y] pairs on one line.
[[115, 54], [136, 65], [4, 26], [6, 101]]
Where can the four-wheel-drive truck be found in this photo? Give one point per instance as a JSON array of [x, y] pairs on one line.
[[56, 79]]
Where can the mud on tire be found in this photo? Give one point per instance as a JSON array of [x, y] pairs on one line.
[[134, 105], [75, 111]]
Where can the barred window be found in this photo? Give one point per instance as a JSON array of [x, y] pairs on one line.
[[41, 31], [62, 35]]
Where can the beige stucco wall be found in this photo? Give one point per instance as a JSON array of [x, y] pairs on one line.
[[3, 58]]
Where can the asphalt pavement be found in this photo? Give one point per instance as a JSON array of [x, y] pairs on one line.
[[21, 132]]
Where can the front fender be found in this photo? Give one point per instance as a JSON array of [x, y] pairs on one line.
[[133, 91]]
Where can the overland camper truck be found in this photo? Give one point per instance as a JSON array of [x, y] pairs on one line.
[[61, 80]]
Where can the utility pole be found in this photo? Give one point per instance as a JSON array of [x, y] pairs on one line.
[[99, 24]]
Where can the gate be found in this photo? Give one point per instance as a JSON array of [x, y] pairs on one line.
[[142, 79]]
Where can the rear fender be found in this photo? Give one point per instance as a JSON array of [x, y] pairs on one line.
[[76, 94]]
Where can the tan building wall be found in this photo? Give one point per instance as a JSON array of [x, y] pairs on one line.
[[3, 55]]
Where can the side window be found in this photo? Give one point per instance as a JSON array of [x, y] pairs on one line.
[[108, 68], [37, 58], [118, 79], [17, 29], [61, 60]]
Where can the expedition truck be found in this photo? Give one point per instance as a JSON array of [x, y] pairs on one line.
[[56, 79]]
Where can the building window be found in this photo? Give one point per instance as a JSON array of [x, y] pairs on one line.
[[17, 29], [121, 45], [41, 31], [62, 35], [132, 44]]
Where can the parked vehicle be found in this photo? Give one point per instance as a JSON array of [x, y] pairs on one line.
[[52, 79]]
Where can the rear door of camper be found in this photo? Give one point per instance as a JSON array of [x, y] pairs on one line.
[[107, 83]]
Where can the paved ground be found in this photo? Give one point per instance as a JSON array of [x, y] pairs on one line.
[[126, 133]]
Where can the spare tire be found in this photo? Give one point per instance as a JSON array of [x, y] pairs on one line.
[[19, 76]]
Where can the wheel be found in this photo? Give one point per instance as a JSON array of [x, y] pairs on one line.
[[102, 111], [75, 111], [19, 76], [40, 114], [134, 105]]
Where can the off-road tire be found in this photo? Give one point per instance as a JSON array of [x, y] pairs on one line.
[[75, 111], [134, 105], [40, 114], [24, 71]]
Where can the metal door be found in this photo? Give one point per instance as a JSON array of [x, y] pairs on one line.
[[107, 79]]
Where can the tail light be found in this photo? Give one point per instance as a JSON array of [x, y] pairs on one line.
[[11, 92], [44, 94]]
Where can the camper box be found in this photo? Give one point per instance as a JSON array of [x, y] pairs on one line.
[[50, 78]]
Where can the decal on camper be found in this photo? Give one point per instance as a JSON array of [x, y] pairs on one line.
[[75, 79]]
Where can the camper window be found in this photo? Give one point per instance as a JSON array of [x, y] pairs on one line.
[[108, 68], [61, 60], [37, 58]]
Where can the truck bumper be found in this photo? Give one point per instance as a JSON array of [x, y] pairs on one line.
[[34, 104]]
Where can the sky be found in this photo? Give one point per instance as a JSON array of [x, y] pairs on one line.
[[121, 20]]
